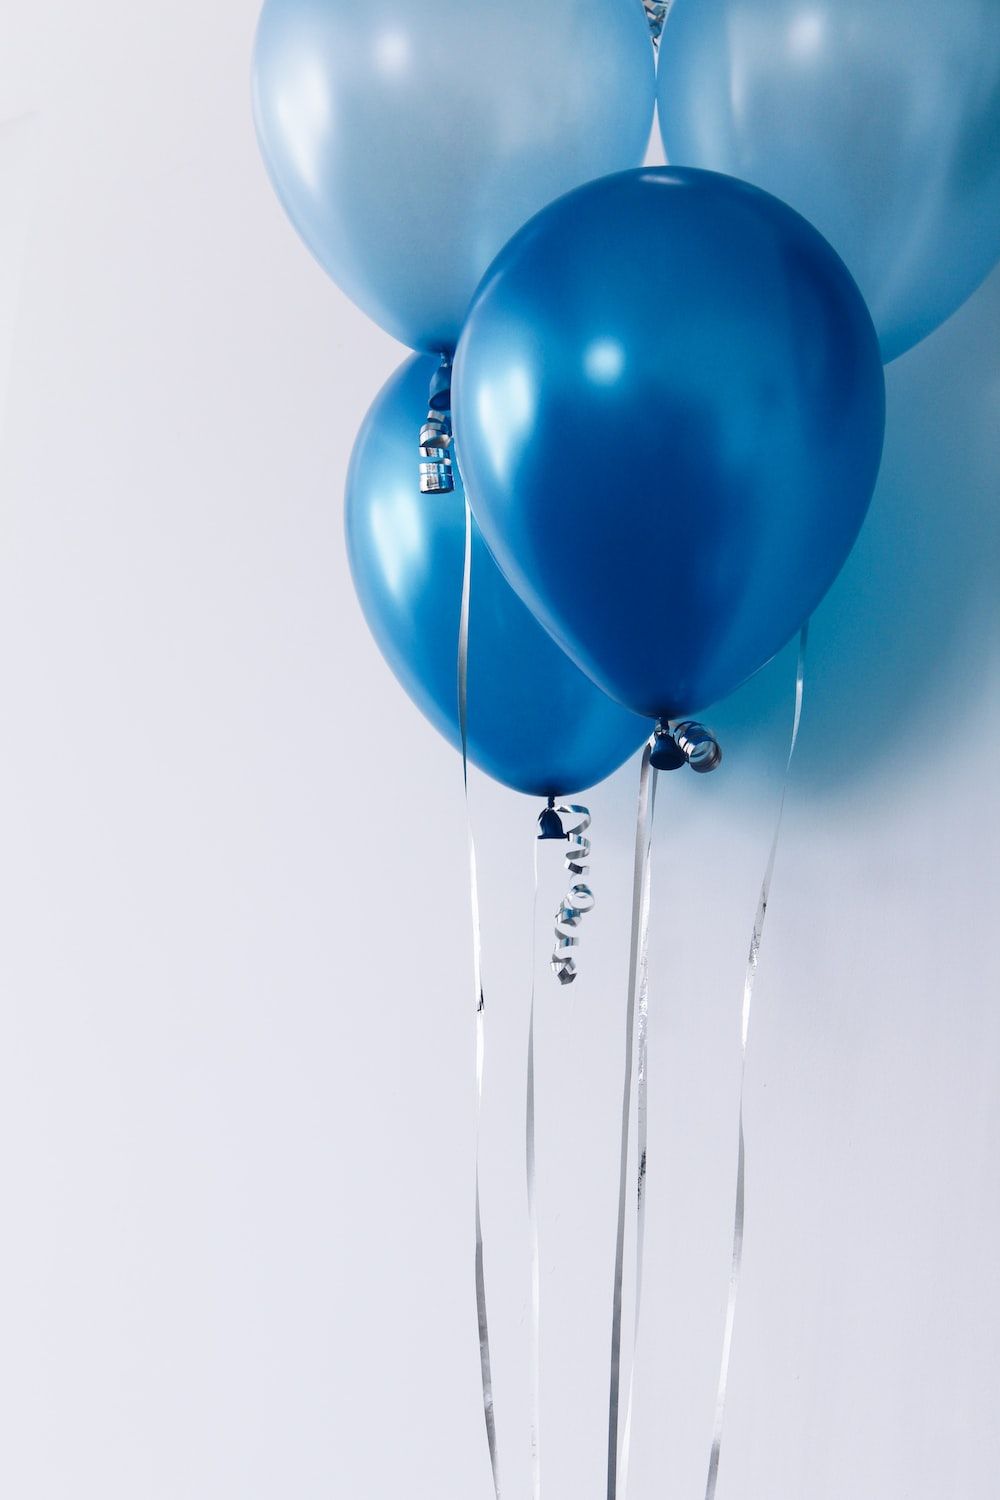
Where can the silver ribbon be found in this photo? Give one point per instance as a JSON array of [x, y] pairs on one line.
[[579, 899], [577, 902], [485, 1362], [642, 1006], [437, 472], [656, 15], [534, 1321], [748, 988], [637, 999], [698, 745]]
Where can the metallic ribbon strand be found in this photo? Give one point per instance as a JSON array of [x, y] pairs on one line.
[[579, 899], [463, 706], [642, 1000], [534, 1322], [637, 997], [748, 988]]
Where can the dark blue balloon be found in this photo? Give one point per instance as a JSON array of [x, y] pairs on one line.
[[669, 407], [535, 722]]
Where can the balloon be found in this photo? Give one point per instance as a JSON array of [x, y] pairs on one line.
[[668, 404], [535, 722], [408, 141], [877, 119]]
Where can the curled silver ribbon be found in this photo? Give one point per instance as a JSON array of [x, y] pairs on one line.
[[485, 1362], [698, 745], [656, 15], [736, 1268], [437, 475], [579, 899]]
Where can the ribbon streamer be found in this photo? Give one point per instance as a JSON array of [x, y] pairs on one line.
[[577, 902], [579, 899], [642, 1006], [637, 998], [748, 988], [534, 1321], [485, 1362]]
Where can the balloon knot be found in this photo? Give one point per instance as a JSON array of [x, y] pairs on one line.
[[549, 822], [664, 753], [686, 743]]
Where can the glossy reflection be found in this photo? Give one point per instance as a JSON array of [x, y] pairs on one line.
[[409, 141], [536, 722], [696, 433], [877, 119]]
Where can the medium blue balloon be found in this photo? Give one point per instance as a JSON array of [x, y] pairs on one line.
[[668, 405], [535, 722], [877, 119], [408, 140]]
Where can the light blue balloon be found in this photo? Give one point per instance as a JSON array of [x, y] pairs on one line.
[[409, 140], [879, 120], [535, 722], [668, 405]]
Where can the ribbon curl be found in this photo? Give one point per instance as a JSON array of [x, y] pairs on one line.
[[579, 899], [437, 470], [656, 15]]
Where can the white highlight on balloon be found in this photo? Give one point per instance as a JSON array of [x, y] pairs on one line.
[[805, 35], [392, 52], [604, 361], [398, 539], [303, 111], [504, 408]]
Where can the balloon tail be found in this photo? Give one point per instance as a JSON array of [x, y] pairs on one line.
[[437, 474], [485, 1361], [637, 1001], [748, 988]]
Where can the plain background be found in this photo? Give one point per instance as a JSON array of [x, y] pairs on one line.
[[236, 1057]]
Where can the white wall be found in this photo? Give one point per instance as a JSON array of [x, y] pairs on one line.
[[236, 1068]]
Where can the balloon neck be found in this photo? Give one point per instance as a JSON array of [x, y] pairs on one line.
[[664, 753], [684, 744], [437, 474], [656, 15], [549, 822], [439, 396]]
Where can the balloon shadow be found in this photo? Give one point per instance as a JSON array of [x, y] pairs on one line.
[[904, 634]]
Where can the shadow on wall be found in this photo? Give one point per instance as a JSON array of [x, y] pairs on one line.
[[906, 635]]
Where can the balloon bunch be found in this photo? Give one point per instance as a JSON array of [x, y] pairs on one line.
[[644, 419], [666, 406]]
